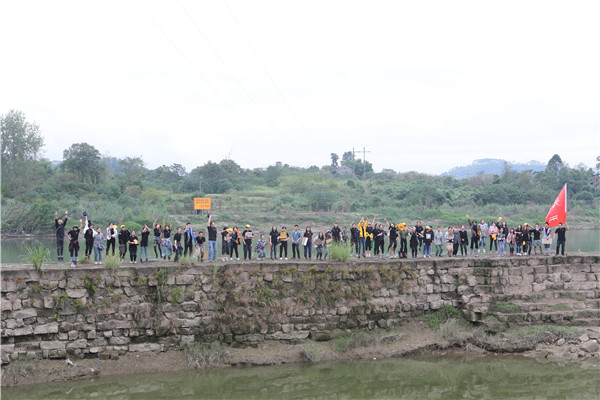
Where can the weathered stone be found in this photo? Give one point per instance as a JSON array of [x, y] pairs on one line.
[[53, 345], [184, 279], [591, 346], [119, 340], [143, 347], [320, 336], [76, 293], [46, 328], [584, 337], [26, 330], [295, 335], [77, 344], [25, 313]]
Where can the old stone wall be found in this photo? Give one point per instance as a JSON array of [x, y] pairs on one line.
[[101, 312]]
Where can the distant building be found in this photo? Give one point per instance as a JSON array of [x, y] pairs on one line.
[[343, 170], [279, 164]]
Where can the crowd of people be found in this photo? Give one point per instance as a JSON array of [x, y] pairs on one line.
[[366, 239]]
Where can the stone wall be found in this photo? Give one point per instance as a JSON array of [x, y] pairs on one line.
[[95, 311]]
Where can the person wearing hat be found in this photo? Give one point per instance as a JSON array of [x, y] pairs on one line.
[[283, 244], [73, 236], [111, 237], [123, 240], [247, 235], [60, 225]]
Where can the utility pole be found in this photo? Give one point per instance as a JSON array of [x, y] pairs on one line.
[[364, 151]]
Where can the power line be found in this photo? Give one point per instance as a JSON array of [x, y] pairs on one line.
[[227, 68], [265, 69], [196, 69]]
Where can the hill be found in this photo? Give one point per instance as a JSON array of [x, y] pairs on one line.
[[493, 166]]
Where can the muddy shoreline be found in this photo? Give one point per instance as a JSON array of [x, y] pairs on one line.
[[414, 338]]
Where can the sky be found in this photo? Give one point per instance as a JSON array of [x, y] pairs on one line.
[[422, 86]]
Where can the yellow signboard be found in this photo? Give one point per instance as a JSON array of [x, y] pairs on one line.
[[201, 203]]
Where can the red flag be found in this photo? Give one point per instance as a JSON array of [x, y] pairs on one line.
[[558, 211]]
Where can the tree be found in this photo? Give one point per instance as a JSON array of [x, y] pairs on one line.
[[334, 160], [21, 142], [132, 171], [348, 158], [84, 161]]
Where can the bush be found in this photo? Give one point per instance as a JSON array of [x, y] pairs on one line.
[[203, 355], [435, 319], [37, 255], [340, 252]]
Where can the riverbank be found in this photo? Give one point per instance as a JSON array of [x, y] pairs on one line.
[[413, 338]]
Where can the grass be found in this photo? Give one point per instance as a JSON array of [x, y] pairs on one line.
[[112, 262], [186, 261], [531, 335], [358, 339], [504, 307], [204, 355], [340, 252], [37, 255], [436, 319], [561, 306], [311, 352]]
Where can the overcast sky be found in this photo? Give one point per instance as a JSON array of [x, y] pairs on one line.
[[422, 85]]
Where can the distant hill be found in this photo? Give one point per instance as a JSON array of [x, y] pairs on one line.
[[492, 166]]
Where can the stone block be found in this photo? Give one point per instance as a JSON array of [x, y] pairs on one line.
[[184, 279], [24, 331], [46, 328], [25, 313], [52, 345], [76, 293], [294, 335], [119, 341], [144, 347], [590, 346], [77, 344]]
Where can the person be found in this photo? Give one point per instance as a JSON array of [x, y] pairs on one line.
[[157, 240], [419, 230], [519, 239], [273, 242], [547, 238], [73, 236], [200, 240], [283, 246], [189, 239], [212, 239], [403, 234], [427, 240], [88, 235], [475, 234], [319, 241], [227, 244], [59, 225], [354, 237], [526, 239], [484, 230], [377, 236], [235, 241], [393, 238], [225, 237], [98, 245], [144, 243], [414, 242], [307, 242], [247, 235], [327, 244], [449, 240], [167, 245], [111, 238], [500, 239], [464, 241], [123, 239], [344, 236], [133, 244], [260, 248], [336, 233], [362, 237], [369, 238], [537, 240], [456, 241], [560, 234], [438, 240], [296, 238], [177, 246], [493, 232], [511, 240]]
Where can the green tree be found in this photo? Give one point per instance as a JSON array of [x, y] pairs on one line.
[[334, 160], [84, 161], [132, 171], [348, 159], [22, 144]]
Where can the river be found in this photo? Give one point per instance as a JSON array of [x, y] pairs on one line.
[[424, 377], [13, 249]]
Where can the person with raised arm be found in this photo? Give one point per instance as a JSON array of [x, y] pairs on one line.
[[393, 238], [144, 243], [167, 245], [212, 239], [157, 239], [73, 236]]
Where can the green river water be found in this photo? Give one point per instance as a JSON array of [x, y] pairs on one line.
[[425, 377], [12, 250]]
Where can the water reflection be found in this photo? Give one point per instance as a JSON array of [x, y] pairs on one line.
[[448, 377]]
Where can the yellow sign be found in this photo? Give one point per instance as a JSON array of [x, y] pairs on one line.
[[201, 203]]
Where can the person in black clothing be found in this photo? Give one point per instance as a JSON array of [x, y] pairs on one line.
[[123, 240], [235, 241], [475, 234], [354, 234], [110, 238], [200, 240], [144, 243], [59, 225], [247, 236], [393, 238], [133, 244], [414, 242], [526, 239], [560, 234], [273, 242], [157, 243], [419, 230], [188, 239], [73, 236], [224, 242], [464, 241], [335, 233], [177, 246], [212, 239], [537, 240], [88, 234]]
